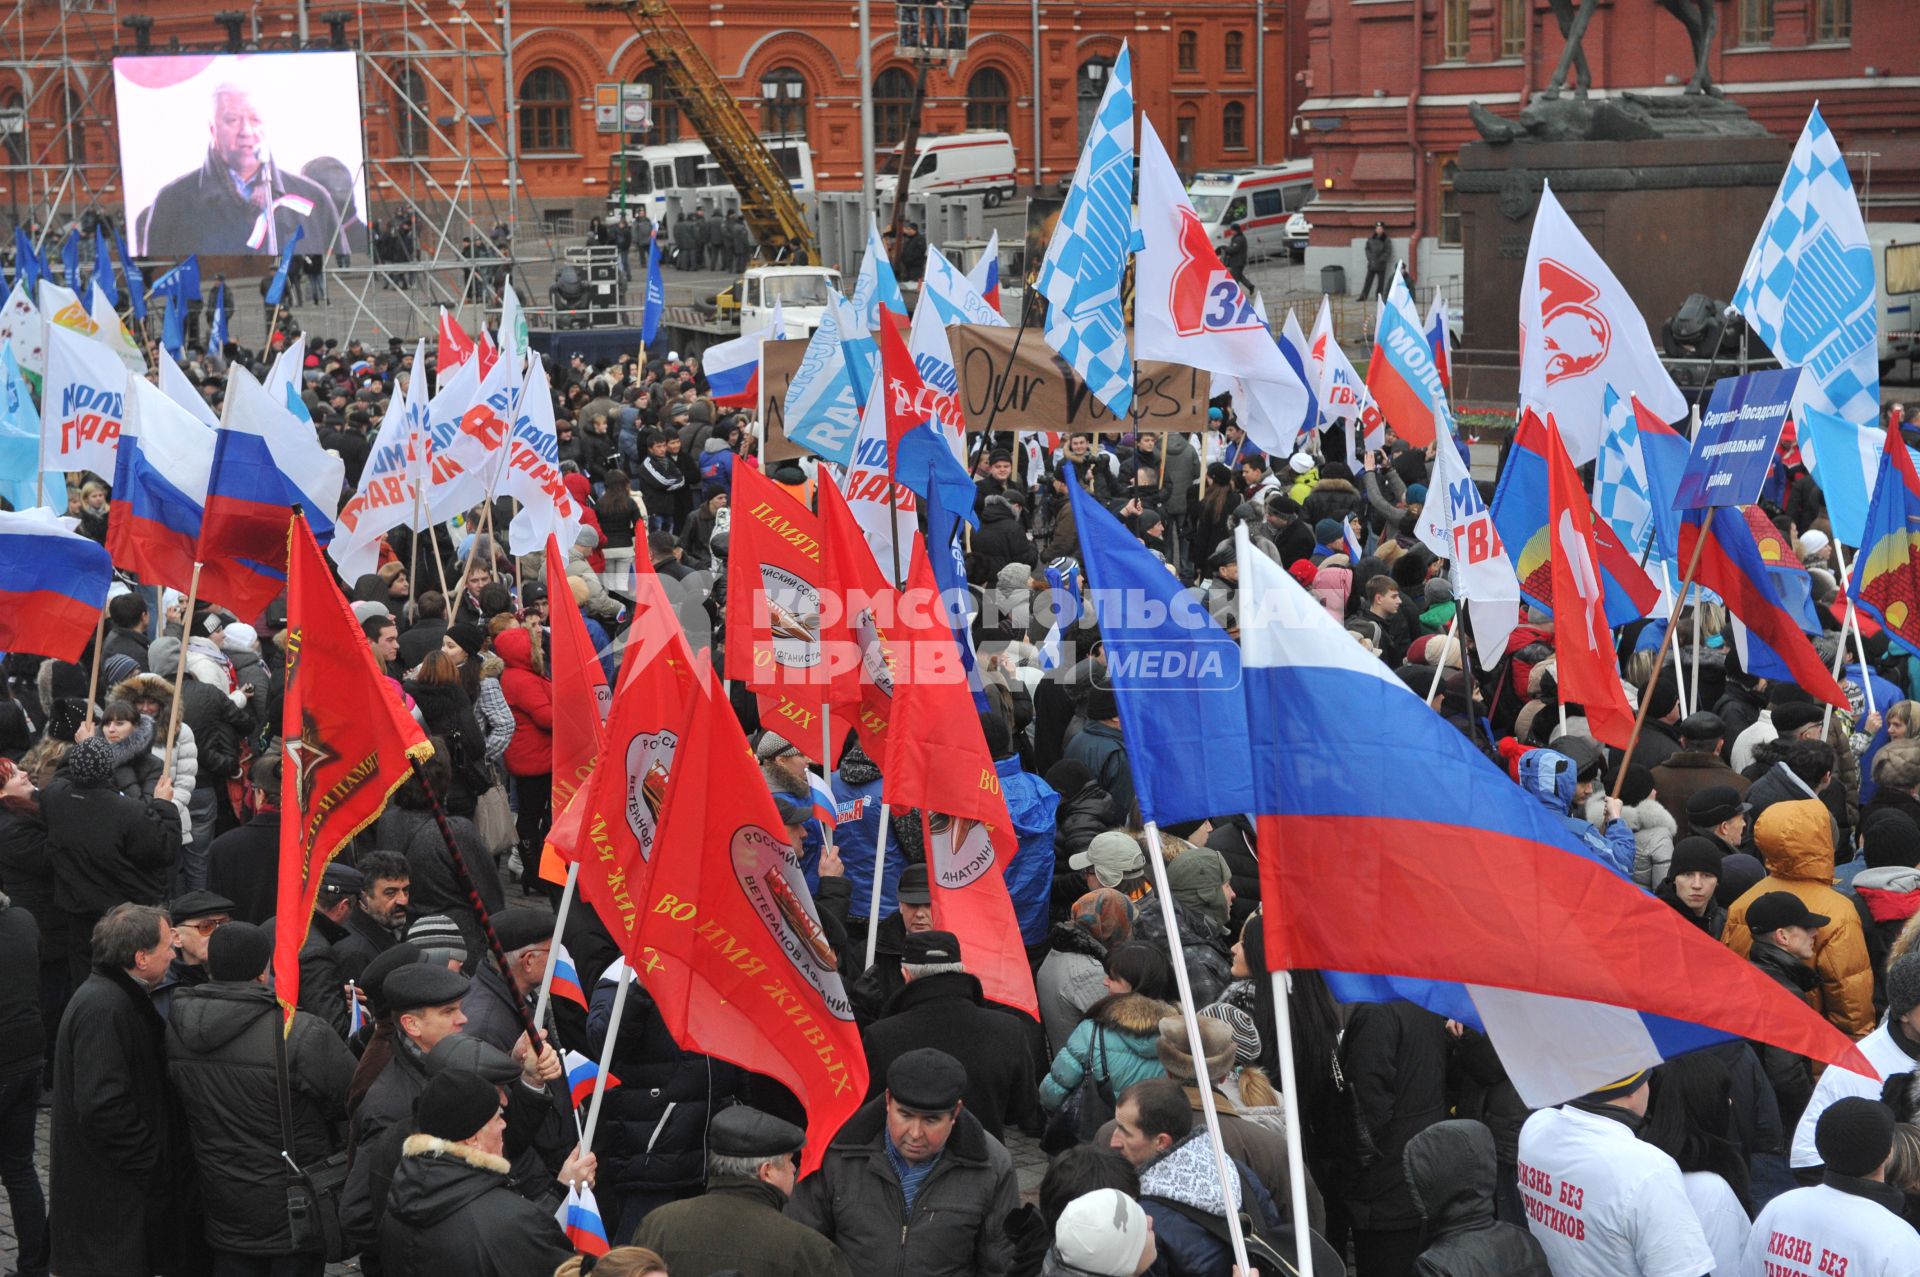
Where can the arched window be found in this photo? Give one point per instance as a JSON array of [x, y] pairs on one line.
[[989, 101], [1233, 126], [892, 104], [410, 130], [13, 126], [783, 102], [1187, 51], [546, 111], [76, 126], [1089, 84], [1236, 51]]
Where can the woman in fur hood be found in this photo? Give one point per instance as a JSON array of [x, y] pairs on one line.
[[1115, 1042], [151, 696]]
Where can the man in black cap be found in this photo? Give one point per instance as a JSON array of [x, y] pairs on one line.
[[880, 982], [526, 937], [1719, 813], [1784, 938], [1659, 737], [942, 1006], [1852, 1221], [912, 1183], [451, 1211], [195, 916], [221, 1060], [378, 920], [996, 478], [752, 1161], [1690, 884], [1785, 715], [1696, 765]]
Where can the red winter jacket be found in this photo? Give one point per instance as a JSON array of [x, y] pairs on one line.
[[530, 697]]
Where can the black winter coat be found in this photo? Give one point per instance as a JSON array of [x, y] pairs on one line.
[[1000, 541], [23, 1033], [107, 849], [948, 1012], [1450, 1169], [1790, 1073], [244, 866], [418, 639], [26, 874], [220, 1058], [451, 1212], [654, 1125], [219, 726], [1394, 1056], [435, 889], [1208, 948], [448, 714], [116, 1142]]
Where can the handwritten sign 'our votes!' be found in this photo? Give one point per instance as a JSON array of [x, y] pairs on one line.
[[1734, 446], [1033, 389]]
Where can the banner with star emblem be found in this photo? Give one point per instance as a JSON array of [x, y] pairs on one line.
[[346, 737]]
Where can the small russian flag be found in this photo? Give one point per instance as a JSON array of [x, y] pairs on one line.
[[356, 1010], [581, 1072], [826, 809], [1353, 542], [579, 1218], [566, 977], [733, 368]]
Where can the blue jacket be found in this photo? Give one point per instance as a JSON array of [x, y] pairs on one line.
[[1548, 775], [1031, 803], [1101, 750], [1128, 1028], [855, 836], [811, 838]]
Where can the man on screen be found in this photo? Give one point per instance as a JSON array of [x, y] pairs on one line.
[[239, 200]]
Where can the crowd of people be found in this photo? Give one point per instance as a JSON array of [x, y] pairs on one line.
[[434, 1135]]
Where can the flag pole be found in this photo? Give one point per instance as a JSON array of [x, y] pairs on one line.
[[180, 672], [879, 881], [464, 880], [1290, 1108], [99, 641], [1853, 620], [1666, 641], [627, 977], [1453, 627], [413, 556], [1202, 1079], [559, 930]]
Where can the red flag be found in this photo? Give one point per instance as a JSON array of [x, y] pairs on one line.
[[488, 352], [937, 760], [581, 698], [775, 582], [1587, 669], [621, 803], [867, 599], [455, 346], [739, 965], [347, 739], [907, 402]]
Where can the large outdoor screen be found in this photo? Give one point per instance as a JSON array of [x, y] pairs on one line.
[[232, 154]]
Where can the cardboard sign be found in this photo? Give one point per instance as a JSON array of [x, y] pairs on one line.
[[1734, 447], [779, 361], [1034, 389]]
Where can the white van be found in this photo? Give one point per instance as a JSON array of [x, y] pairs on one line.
[[973, 163], [639, 179], [1261, 200]]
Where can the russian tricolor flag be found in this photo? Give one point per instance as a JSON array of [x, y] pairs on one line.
[[733, 369], [826, 809], [581, 1074], [566, 977], [159, 487], [579, 1218], [1462, 891], [53, 583], [985, 275]]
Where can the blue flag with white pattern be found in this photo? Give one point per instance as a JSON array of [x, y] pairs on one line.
[[278, 288], [1808, 286], [656, 294], [217, 327], [1086, 263]]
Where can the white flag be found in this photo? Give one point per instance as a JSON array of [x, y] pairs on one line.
[[175, 385], [1456, 525], [532, 474], [1579, 333], [25, 332], [109, 330], [84, 404], [386, 498]]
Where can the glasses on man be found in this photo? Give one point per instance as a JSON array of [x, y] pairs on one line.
[[206, 926]]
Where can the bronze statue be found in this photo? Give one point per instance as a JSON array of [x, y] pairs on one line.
[[1700, 17]]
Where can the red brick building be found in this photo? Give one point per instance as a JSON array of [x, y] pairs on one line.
[[1198, 72], [1387, 83]]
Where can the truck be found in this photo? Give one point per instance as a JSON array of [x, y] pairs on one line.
[[800, 292], [640, 179], [976, 162]]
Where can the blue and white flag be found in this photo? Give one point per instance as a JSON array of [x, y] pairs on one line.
[[278, 288], [1354, 552], [825, 396], [1086, 263], [656, 293], [70, 261], [1808, 286], [876, 286], [1622, 494], [20, 441], [217, 327], [103, 265], [183, 281], [1063, 600], [173, 328], [136, 279], [1845, 458]]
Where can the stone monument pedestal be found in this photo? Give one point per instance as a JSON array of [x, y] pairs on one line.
[[1670, 215]]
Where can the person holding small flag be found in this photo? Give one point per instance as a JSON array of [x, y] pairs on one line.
[[526, 937], [738, 1226]]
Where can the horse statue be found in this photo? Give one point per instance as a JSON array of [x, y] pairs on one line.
[[1700, 17]]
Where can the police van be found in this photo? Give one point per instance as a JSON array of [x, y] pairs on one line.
[[1261, 200]]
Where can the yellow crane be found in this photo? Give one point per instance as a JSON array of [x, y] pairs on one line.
[[778, 223]]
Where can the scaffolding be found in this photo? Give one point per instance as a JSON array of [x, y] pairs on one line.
[[440, 148]]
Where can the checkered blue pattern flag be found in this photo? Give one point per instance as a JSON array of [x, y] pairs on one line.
[[1086, 260], [1808, 287], [1621, 492]]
